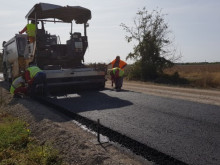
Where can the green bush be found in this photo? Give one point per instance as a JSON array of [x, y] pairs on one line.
[[137, 71], [133, 72], [174, 79]]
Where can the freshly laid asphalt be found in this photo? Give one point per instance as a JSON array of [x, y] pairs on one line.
[[185, 130]]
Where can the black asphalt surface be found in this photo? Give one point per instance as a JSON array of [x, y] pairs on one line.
[[185, 130]]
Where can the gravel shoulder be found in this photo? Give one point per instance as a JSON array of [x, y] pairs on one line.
[[206, 96]]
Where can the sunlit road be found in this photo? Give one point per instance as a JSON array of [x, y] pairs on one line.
[[186, 130]]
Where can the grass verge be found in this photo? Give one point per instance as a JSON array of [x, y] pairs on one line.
[[17, 147]]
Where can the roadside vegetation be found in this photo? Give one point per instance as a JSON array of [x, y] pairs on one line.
[[200, 75], [155, 55], [0, 62], [17, 147], [153, 49]]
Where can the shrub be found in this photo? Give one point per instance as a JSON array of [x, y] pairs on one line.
[[134, 72], [174, 79]]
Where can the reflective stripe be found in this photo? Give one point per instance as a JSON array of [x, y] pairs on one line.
[[12, 90], [16, 84], [33, 71], [31, 28], [121, 72]]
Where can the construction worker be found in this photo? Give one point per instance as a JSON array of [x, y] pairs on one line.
[[117, 62], [30, 29], [117, 72], [35, 76], [18, 88], [117, 77]]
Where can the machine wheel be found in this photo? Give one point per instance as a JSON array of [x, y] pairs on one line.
[[5, 75]]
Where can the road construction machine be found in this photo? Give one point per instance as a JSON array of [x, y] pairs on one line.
[[62, 63]]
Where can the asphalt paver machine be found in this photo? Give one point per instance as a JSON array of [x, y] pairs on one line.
[[62, 63]]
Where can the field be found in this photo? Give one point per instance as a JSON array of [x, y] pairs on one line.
[[205, 75]]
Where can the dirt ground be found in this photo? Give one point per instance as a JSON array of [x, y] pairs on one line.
[[206, 96], [76, 145]]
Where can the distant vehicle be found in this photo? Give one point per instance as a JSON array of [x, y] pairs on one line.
[[62, 63]]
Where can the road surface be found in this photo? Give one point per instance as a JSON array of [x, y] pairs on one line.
[[186, 130]]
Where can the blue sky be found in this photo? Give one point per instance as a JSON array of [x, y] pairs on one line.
[[195, 25]]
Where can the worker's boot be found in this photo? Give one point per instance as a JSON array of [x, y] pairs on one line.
[[17, 96]]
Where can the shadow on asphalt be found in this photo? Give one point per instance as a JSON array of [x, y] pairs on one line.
[[122, 90], [77, 102], [89, 101]]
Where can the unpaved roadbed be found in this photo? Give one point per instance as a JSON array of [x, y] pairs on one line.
[[191, 94]]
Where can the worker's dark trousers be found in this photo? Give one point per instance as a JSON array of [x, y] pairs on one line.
[[39, 79], [118, 82]]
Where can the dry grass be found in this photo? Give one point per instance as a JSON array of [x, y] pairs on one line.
[[200, 75]]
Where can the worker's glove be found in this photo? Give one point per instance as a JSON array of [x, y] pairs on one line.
[[23, 84]]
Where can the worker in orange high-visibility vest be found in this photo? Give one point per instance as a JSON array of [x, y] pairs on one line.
[[30, 29], [117, 62], [117, 73]]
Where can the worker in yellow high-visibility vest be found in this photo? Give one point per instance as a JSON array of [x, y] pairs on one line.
[[117, 77], [18, 87], [35, 76], [118, 66], [30, 29]]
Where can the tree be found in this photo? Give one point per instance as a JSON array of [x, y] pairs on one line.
[[1, 58], [152, 52]]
